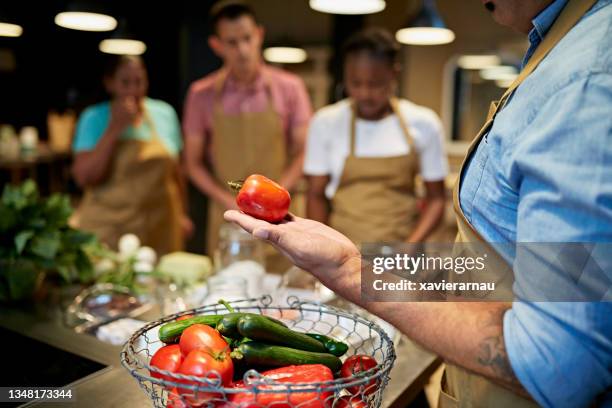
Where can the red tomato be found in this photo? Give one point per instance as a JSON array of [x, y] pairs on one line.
[[178, 319], [263, 198], [200, 336], [167, 358], [202, 363], [354, 365], [174, 400], [349, 402]]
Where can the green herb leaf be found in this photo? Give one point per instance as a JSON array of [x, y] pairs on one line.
[[46, 245], [65, 272], [21, 239]]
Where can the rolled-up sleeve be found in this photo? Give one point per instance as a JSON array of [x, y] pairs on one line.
[[561, 352], [89, 129]]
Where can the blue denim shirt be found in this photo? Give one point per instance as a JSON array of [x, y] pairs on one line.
[[544, 174]]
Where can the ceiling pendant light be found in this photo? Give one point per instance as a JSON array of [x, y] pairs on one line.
[[85, 21], [8, 26], [285, 55], [85, 16], [122, 42], [427, 28], [478, 61], [10, 30], [504, 83], [348, 6], [122, 46], [499, 73]]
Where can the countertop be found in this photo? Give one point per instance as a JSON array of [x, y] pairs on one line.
[[114, 387]]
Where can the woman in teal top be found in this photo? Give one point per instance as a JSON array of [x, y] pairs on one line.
[[126, 159]]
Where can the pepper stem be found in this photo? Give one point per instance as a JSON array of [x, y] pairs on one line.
[[235, 185], [227, 305]]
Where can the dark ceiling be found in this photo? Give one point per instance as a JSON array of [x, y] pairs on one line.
[[55, 67]]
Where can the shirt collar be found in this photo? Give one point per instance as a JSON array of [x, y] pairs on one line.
[[541, 24], [543, 21], [258, 84]]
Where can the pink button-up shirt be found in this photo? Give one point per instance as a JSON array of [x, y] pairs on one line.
[[287, 90]]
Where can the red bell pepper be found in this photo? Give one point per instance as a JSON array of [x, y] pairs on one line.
[[262, 198], [309, 373]]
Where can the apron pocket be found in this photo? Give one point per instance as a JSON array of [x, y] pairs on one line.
[[445, 400]]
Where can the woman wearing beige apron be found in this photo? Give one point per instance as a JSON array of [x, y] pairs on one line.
[[129, 170], [362, 154]]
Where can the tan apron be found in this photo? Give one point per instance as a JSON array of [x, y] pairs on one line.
[[140, 196], [461, 388], [375, 199], [243, 144]]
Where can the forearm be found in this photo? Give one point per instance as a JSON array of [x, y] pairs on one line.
[[317, 207], [91, 168], [293, 173], [428, 220], [467, 334]]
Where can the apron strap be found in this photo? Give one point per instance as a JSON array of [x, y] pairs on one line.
[[353, 130], [146, 116], [570, 15], [394, 102]]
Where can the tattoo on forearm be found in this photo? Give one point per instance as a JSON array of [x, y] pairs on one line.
[[492, 351], [493, 354]]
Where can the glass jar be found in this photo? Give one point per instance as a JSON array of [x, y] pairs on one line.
[[226, 288], [240, 256], [235, 244]]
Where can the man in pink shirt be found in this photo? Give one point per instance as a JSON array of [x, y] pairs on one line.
[[245, 118]]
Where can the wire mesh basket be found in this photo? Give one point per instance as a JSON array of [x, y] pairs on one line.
[[364, 389]]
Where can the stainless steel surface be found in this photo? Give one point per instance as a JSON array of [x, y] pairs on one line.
[[110, 387], [113, 387]]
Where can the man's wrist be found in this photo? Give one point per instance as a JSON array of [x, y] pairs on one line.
[[346, 278]]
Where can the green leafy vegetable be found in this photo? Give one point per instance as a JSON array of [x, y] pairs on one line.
[[35, 237]]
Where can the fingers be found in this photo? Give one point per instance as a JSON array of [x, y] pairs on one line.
[[247, 222]]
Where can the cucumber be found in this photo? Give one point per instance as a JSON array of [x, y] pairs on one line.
[[170, 332], [228, 325], [259, 328], [335, 347], [255, 353]]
